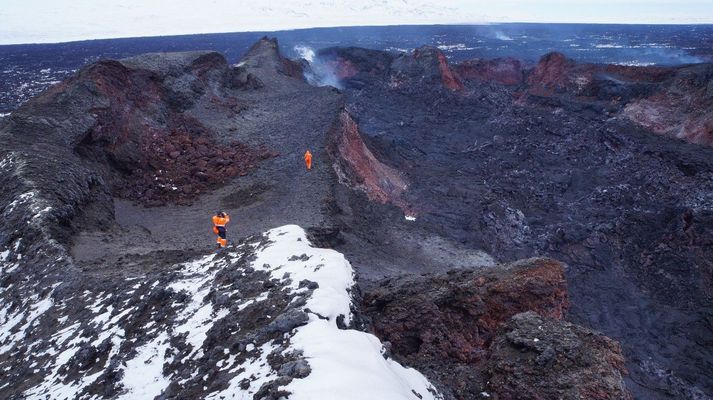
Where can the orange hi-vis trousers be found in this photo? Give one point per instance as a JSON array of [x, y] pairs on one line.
[[221, 239], [219, 223]]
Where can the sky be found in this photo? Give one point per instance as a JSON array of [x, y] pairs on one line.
[[51, 21]]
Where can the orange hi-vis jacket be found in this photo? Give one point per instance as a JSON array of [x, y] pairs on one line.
[[221, 221]]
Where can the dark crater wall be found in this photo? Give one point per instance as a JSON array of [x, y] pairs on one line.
[[553, 164]]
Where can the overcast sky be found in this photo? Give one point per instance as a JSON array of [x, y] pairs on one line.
[[42, 21]]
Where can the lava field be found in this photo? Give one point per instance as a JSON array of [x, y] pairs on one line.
[[480, 228]]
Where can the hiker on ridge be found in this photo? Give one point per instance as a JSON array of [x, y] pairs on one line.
[[220, 219], [308, 160]]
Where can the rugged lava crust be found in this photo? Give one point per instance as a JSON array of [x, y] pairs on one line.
[[599, 179]]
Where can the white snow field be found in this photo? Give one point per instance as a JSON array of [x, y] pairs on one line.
[[344, 363]]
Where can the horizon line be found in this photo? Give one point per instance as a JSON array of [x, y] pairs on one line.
[[360, 26]]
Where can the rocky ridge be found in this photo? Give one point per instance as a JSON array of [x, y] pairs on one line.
[[671, 101], [214, 326]]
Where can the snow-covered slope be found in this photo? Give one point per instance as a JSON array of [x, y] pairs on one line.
[[270, 317]]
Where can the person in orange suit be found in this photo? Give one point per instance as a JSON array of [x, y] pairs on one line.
[[220, 220], [308, 159]]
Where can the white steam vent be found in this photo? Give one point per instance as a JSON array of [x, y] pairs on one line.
[[319, 73], [305, 52]]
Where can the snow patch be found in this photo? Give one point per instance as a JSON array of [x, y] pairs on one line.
[[143, 376], [54, 386], [36, 205], [455, 47], [609, 46], [341, 359], [7, 162], [8, 339], [399, 49], [291, 253], [635, 63], [256, 370]]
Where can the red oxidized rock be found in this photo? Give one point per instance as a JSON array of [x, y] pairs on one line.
[[682, 107], [357, 167], [465, 328], [343, 69], [137, 129], [450, 79], [465, 308], [426, 65], [507, 71], [551, 73]]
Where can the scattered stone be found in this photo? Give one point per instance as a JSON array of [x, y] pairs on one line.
[[295, 369], [287, 321]]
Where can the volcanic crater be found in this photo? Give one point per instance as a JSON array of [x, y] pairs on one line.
[[501, 218]]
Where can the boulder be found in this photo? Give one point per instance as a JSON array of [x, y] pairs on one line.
[[534, 357], [456, 328]]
